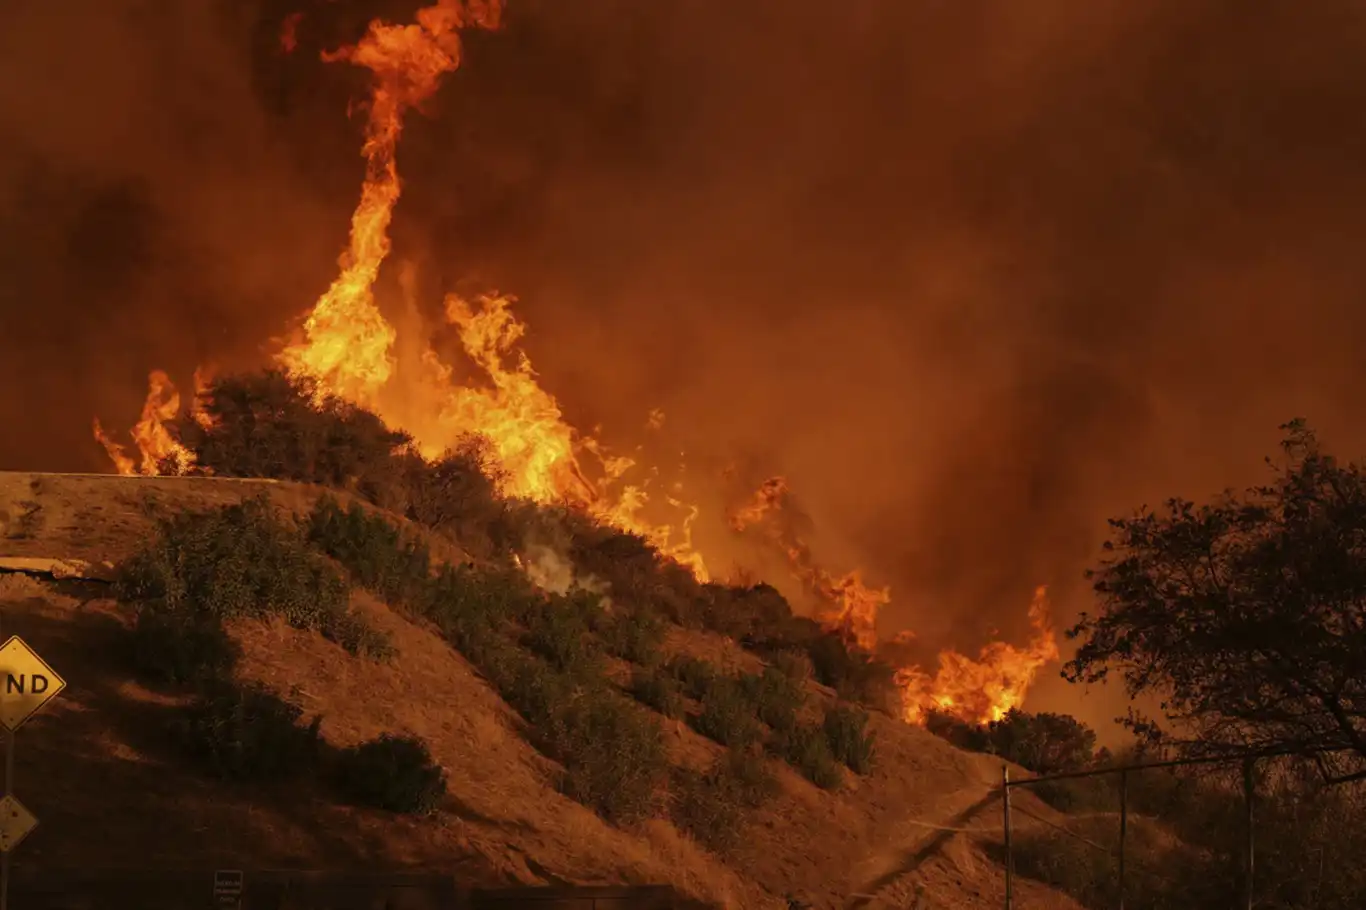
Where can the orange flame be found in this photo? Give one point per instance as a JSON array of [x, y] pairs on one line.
[[973, 690], [155, 444], [851, 607], [982, 690], [348, 347]]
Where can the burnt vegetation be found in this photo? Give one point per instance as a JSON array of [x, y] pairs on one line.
[[548, 655]]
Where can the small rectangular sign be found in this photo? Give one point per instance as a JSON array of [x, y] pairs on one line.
[[227, 889]]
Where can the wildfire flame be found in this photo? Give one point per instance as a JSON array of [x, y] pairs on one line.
[[155, 444], [851, 607], [348, 347], [976, 691], [984, 689]]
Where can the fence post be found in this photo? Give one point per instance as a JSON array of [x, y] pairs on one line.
[[1248, 795], [1123, 829], [1010, 857]]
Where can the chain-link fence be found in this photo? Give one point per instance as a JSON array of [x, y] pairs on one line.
[[1243, 831]]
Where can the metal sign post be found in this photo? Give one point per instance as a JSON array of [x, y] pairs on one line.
[[26, 684]]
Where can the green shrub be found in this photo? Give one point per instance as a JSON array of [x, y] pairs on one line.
[[701, 806], [535, 690], [181, 649], [464, 602], [710, 806], [247, 733], [851, 743], [394, 566], [613, 755], [775, 697], [795, 665], [805, 748], [394, 773], [240, 560], [561, 635], [358, 637], [694, 674], [748, 777], [658, 691], [727, 716], [635, 636]]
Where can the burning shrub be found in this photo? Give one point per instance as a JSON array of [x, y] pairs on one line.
[[394, 773], [775, 697], [727, 715], [657, 690], [247, 733], [273, 425], [237, 561], [852, 672], [850, 741], [806, 748]]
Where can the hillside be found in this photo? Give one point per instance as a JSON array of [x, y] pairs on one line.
[[99, 751]]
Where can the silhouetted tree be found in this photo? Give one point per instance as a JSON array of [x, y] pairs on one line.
[[1044, 743], [1246, 616]]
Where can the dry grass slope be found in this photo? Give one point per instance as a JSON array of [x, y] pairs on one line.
[[94, 771]]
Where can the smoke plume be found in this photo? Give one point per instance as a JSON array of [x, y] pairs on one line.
[[971, 276]]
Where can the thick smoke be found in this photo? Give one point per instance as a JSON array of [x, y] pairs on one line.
[[973, 276]]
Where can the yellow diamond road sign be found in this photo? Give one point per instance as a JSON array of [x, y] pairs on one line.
[[16, 823], [26, 683]]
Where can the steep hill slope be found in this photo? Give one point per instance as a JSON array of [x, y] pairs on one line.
[[96, 770]]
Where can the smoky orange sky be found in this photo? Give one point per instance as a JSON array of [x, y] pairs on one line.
[[973, 275]]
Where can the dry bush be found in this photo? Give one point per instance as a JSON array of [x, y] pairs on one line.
[[657, 690], [850, 741], [727, 715], [710, 805], [394, 773], [776, 699], [241, 560], [806, 749]]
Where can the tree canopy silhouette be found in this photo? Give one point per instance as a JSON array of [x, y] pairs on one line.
[[1246, 616]]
